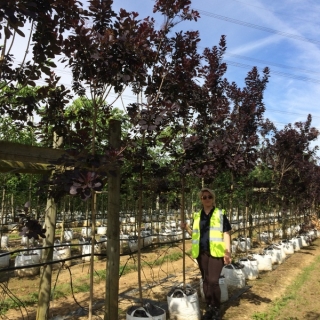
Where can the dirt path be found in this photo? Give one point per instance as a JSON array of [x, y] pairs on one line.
[[159, 279], [272, 286]]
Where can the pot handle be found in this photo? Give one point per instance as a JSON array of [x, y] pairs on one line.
[[178, 290], [142, 309], [224, 267], [231, 266]]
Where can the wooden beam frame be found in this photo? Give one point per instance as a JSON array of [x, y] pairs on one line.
[[20, 158], [23, 167], [13, 151]]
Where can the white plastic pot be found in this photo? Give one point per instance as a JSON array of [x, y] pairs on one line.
[[133, 243], [164, 237], [87, 248], [244, 244], [235, 277], [142, 313], [263, 237], [102, 230], [61, 253], [280, 247], [24, 240], [234, 245], [296, 244], [287, 246], [264, 262], [187, 235], [275, 254], [182, 306], [224, 289], [305, 241], [122, 219], [37, 250], [146, 238], [313, 233], [103, 241], [250, 269], [4, 242], [124, 244], [27, 260], [68, 235], [86, 232], [4, 259]]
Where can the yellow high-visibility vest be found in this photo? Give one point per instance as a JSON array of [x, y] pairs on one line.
[[216, 242]]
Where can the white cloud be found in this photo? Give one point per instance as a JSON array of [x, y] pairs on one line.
[[255, 44]]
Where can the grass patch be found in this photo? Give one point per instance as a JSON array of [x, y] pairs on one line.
[[291, 293], [127, 269], [14, 236], [15, 303], [64, 290], [168, 258], [100, 274], [165, 258]]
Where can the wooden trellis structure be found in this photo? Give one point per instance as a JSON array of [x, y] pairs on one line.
[[19, 158]]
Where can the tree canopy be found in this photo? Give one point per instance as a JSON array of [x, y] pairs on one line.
[[201, 124]]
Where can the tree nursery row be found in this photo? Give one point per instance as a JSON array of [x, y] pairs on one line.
[[76, 156]]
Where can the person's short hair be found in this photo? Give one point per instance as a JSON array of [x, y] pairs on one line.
[[210, 191]]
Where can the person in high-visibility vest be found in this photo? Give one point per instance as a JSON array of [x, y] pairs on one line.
[[211, 246]]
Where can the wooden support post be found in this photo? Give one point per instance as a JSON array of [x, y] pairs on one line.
[[45, 279], [113, 230], [46, 276]]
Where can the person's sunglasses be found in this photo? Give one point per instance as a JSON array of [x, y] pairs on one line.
[[206, 197]]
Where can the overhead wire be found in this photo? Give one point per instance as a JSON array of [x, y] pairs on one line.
[[283, 74], [269, 63], [274, 12], [290, 113], [257, 27]]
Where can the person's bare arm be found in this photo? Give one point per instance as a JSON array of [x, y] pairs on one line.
[[185, 226], [227, 252]]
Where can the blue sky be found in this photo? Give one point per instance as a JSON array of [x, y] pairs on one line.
[[290, 49]]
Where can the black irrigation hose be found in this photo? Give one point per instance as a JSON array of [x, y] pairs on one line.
[[54, 287], [130, 257], [14, 298], [71, 286], [142, 269]]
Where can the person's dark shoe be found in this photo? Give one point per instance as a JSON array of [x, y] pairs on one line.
[[208, 314], [216, 314], [212, 313]]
